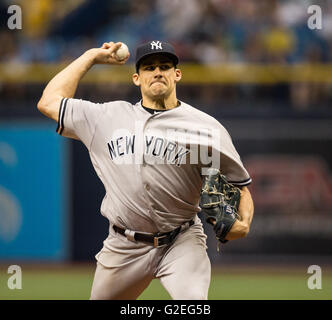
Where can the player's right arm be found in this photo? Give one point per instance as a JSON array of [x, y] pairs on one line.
[[65, 83]]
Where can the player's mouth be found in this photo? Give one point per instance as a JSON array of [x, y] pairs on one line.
[[162, 82]]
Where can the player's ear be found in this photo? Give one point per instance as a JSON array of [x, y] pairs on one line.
[[178, 75], [136, 79]]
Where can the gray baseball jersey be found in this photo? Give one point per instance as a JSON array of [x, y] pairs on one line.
[[149, 181], [151, 165]]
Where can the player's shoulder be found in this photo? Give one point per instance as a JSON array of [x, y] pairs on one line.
[[200, 115], [117, 107], [118, 103], [115, 103]]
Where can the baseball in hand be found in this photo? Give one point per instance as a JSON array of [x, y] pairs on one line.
[[122, 52]]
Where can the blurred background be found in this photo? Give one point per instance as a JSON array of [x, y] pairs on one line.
[[254, 65]]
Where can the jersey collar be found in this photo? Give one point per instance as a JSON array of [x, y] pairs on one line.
[[153, 111]]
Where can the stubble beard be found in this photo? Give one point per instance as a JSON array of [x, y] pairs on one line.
[[159, 94]]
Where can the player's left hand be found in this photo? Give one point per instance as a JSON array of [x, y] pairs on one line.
[[220, 203]]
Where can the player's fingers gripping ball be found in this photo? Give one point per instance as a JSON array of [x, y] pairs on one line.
[[122, 53], [220, 203]]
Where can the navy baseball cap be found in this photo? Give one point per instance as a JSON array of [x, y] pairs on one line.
[[155, 47]]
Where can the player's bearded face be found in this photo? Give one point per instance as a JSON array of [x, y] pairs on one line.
[[157, 77]]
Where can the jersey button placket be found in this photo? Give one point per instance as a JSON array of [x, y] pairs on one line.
[[146, 185], [151, 209]]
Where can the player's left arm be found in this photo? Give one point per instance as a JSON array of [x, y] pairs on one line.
[[246, 211], [230, 165]]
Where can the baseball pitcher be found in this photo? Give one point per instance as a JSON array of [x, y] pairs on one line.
[[161, 162]]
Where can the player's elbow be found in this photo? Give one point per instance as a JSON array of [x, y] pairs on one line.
[[49, 107], [41, 106], [244, 231], [43, 103]]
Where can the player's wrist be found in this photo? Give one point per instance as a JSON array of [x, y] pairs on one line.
[[91, 56]]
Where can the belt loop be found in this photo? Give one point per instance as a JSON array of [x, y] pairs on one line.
[[130, 235]]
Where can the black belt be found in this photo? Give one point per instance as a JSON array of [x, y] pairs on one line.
[[156, 239]]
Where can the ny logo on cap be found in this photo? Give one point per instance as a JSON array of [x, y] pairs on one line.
[[156, 45]]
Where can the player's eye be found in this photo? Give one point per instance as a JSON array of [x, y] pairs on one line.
[[162, 67], [165, 67]]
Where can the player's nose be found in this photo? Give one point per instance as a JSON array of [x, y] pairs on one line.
[[158, 75], [157, 71]]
